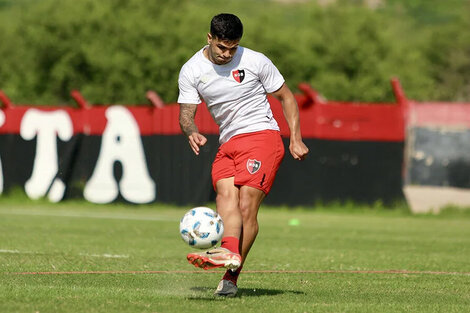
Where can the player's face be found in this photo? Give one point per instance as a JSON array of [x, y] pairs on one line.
[[221, 51]]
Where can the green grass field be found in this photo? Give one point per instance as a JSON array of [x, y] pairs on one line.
[[79, 257]]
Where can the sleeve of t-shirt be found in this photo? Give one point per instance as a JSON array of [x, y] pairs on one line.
[[269, 75], [187, 90]]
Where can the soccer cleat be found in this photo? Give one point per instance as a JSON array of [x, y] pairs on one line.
[[217, 257], [226, 288]]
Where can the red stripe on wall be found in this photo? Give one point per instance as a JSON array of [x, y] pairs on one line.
[[348, 121], [439, 114], [330, 120]]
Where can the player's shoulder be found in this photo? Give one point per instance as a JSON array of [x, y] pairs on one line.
[[252, 53], [192, 65], [192, 60], [255, 56]]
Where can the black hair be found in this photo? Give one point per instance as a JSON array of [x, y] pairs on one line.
[[226, 26]]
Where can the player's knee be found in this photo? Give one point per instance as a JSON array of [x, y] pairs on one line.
[[250, 200], [248, 210], [227, 199]]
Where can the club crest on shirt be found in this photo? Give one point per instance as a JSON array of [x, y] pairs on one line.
[[253, 165], [239, 75]]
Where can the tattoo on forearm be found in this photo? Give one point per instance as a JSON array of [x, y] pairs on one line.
[[187, 113]]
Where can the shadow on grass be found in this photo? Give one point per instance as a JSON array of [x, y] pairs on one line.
[[249, 292], [242, 292]]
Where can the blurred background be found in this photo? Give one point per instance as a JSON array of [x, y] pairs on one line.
[[113, 51], [368, 140]]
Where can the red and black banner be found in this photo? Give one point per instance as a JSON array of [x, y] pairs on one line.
[[138, 154]]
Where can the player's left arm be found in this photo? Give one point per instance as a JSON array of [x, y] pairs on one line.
[[291, 112]]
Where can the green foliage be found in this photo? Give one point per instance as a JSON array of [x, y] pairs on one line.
[[347, 53], [430, 12], [113, 51], [449, 51]]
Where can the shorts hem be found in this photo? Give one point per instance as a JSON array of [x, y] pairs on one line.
[[266, 192]]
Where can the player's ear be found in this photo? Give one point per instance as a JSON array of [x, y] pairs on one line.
[[209, 38]]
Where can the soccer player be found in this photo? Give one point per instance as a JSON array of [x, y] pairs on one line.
[[234, 82]]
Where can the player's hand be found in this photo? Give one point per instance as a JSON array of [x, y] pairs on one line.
[[298, 150], [196, 141]]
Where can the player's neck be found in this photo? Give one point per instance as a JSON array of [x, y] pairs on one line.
[[206, 53]]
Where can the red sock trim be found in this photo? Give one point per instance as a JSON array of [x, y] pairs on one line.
[[232, 275], [230, 243]]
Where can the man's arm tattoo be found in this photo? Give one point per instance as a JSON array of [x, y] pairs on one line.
[[187, 113]]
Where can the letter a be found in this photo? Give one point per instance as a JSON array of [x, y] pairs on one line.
[[120, 142]]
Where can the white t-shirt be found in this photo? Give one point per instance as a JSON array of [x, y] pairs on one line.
[[235, 93]]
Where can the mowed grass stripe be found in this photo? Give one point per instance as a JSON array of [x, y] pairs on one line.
[[398, 272], [96, 215]]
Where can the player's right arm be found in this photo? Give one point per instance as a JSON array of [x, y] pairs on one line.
[[189, 128]]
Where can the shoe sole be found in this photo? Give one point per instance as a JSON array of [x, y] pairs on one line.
[[225, 295], [206, 263]]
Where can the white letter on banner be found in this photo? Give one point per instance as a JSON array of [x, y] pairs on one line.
[[46, 126], [2, 120], [120, 142]]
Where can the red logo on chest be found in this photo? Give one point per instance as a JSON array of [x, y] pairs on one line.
[[239, 75]]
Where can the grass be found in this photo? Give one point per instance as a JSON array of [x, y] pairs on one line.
[[131, 259]]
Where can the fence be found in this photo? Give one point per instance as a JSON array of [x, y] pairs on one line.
[[138, 154]]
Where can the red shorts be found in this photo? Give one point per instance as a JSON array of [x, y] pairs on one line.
[[252, 159]]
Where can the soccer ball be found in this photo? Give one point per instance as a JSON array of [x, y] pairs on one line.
[[201, 227]]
